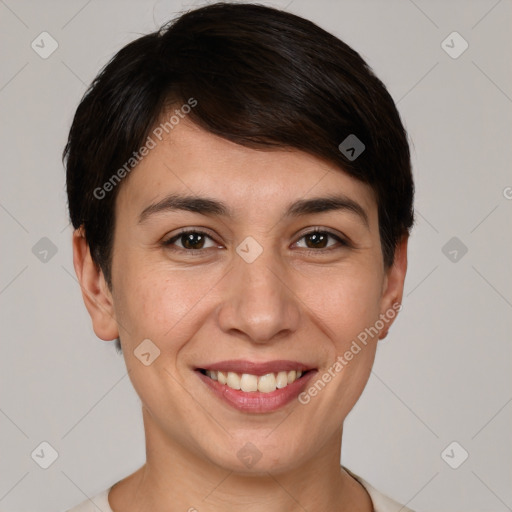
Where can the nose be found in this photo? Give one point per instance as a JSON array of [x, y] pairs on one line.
[[258, 301]]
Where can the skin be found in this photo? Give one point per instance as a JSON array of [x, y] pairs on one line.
[[287, 304]]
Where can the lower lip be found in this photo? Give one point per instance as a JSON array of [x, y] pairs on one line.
[[255, 401]]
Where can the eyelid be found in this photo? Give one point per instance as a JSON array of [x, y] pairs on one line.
[[319, 229], [202, 231], [340, 238]]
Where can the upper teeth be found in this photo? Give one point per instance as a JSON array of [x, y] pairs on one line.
[[247, 382]]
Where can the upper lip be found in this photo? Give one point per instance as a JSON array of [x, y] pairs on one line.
[[253, 368]]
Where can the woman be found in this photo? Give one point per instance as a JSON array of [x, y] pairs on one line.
[[240, 187]]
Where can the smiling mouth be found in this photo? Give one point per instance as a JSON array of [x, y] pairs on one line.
[[255, 383]]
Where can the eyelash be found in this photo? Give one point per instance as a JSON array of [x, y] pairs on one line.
[[168, 243]]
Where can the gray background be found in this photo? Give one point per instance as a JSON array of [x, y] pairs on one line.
[[442, 375]]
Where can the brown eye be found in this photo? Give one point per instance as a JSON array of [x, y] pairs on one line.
[[189, 240], [192, 240], [319, 240]]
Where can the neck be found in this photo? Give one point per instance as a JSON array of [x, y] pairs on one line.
[[174, 475]]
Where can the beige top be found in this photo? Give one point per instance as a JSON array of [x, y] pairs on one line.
[[381, 503]]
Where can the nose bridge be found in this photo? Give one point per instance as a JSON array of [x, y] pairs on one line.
[[259, 302]]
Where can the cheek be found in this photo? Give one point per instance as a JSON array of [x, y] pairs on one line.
[[155, 302], [150, 308], [352, 307], [346, 302]]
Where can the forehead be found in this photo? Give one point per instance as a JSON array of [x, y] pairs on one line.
[[192, 161]]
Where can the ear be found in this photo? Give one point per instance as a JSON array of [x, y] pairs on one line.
[[95, 292], [393, 286]]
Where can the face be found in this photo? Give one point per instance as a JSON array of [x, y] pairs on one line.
[[264, 287]]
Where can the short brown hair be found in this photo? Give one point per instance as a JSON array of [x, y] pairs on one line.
[[261, 77]]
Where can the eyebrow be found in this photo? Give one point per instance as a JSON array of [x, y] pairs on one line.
[[213, 207]]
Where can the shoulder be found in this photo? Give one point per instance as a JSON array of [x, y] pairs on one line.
[[99, 502], [381, 502]]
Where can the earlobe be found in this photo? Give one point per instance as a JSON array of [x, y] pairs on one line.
[[95, 292], [394, 286]]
